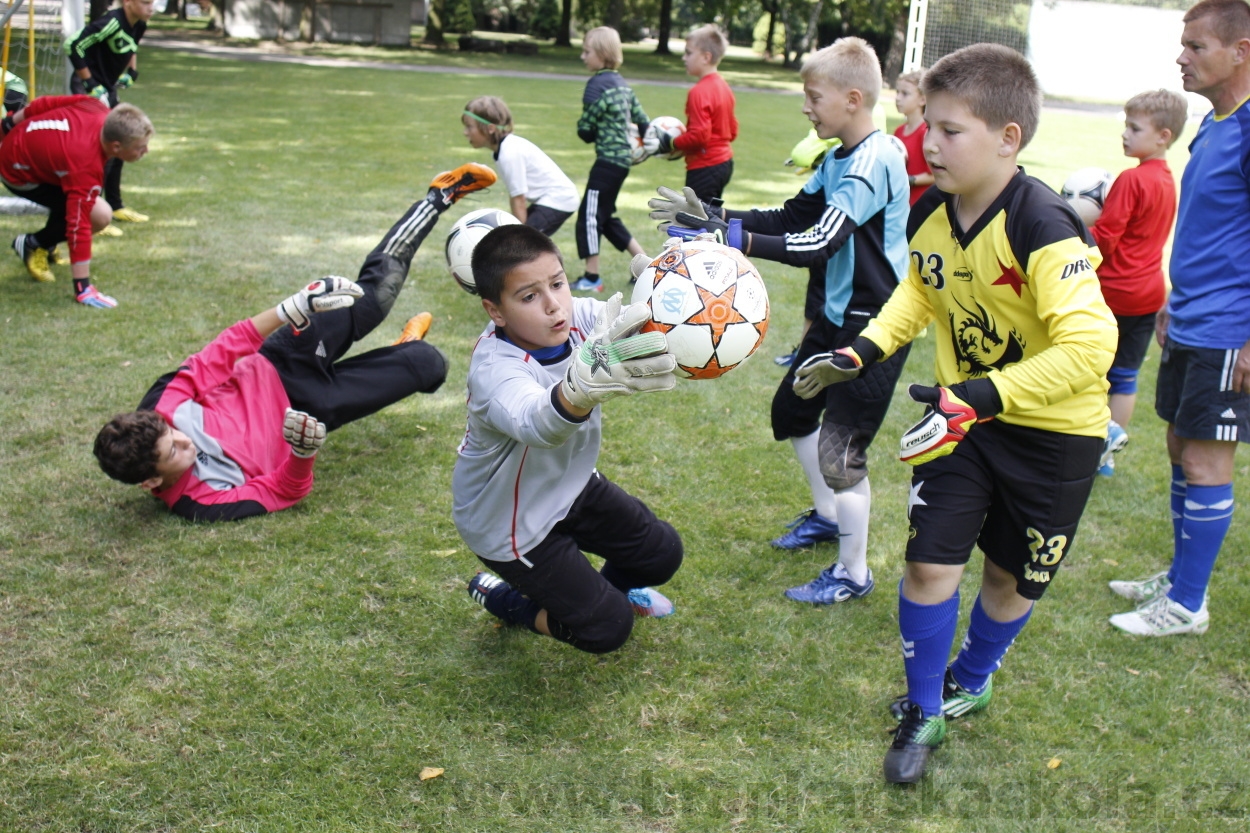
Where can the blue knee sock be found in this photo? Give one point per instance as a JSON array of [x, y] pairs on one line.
[[984, 647], [1178, 512], [1208, 515], [928, 631]]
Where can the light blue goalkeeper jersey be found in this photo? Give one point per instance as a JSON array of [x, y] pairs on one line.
[[521, 464]]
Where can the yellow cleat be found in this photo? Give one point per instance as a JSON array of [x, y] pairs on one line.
[[35, 258], [129, 215], [110, 231], [58, 258], [415, 329], [449, 186]]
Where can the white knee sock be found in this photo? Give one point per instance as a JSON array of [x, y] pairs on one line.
[[807, 449], [853, 510]]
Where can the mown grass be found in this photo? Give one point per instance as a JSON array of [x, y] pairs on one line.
[[296, 672]]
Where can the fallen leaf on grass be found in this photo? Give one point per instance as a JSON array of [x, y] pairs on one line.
[[1134, 672], [1111, 561], [431, 772], [443, 553], [1053, 763]]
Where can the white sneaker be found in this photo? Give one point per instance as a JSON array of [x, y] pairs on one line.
[[1162, 617], [1142, 590]]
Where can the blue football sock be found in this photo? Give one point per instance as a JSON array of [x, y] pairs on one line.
[[984, 647], [928, 631], [1208, 515], [1178, 512]]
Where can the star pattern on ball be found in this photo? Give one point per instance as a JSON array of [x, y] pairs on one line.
[[711, 370], [718, 312]]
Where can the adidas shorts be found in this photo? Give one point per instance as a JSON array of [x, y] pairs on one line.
[[1194, 394], [1015, 492]]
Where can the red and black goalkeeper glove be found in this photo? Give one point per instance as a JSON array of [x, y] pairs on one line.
[[950, 416]]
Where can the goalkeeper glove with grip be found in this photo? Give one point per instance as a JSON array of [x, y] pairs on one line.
[[670, 202], [617, 360], [303, 432], [331, 292], [824, 369], [128, 78], [950, 416], [96, 89]]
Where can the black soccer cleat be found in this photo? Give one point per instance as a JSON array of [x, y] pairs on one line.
[[914, 739]]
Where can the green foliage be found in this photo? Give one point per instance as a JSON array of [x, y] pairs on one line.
[[459, 16], [296, 672], [546, 20]]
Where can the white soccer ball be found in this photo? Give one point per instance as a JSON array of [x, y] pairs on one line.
[[464, 236], [709, 301], [637, 150], [671, 125], [1086, 191]]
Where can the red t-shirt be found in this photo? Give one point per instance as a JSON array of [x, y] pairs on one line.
[[1136, 219], [914, 142], [58, 143], [710, 123]]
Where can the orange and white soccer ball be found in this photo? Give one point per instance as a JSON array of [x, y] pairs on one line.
[[709, 301], [671, 125]]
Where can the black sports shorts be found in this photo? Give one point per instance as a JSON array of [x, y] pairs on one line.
[[1195, 394], [1015, 492]]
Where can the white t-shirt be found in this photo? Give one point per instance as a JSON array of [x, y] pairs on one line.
[[529, 171]]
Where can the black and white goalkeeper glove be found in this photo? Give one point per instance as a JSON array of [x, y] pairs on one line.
[[617, 360], [670, 203], [303, 432], [331, 292]]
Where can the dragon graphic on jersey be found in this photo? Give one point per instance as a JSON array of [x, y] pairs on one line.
[[978, 345]]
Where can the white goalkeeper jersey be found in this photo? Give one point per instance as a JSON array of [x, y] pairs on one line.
[[521, 463]]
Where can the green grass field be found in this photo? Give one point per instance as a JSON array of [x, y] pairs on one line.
[[296, 672]]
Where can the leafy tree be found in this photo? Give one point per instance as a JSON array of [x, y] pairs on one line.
[[546, 20], [459, 14]]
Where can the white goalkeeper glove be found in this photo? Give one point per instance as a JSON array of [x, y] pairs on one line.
[[303, 432], [617, 360], [670, 203], [330, 292]]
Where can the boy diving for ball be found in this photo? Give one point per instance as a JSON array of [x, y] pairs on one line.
[[1006, 453], [233, 432], [527, 497]]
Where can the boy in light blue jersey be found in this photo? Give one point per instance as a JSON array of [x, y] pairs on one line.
[[1203, 390], [852, 213]]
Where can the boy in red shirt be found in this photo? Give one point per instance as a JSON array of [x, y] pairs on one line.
[[1136, 220], [910, 103], [710, 121], [54, 152]]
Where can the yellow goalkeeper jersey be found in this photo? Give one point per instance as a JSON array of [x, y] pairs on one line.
[[1016, 300]]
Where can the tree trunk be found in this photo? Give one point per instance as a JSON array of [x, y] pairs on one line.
[[434, 23], [898, 46], [786, 50], [772, 29], [666, 27], [616, 11], [566, 22], [810, 36]]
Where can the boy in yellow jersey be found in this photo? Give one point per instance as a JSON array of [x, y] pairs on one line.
[[1007, 450]]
